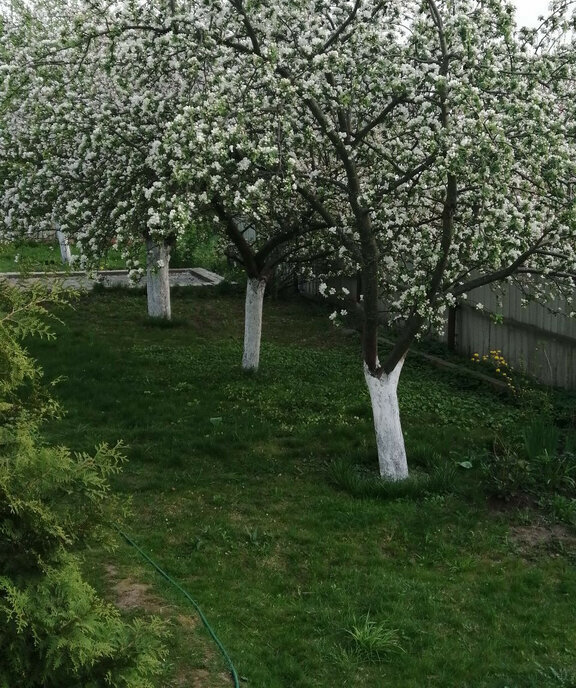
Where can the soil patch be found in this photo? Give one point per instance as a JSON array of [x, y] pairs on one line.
[[539, 536], [130, 594], [202, 678]]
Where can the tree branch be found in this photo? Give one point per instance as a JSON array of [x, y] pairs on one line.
[[363, 133], [237, 238], [297, 230], [239, 7], [402, 344], [318, 206], [340, 30], [448, 213], [497, 275], [408, 176]]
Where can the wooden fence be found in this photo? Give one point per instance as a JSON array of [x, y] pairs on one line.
[[532, 339]]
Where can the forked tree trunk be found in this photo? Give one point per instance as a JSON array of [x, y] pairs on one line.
[[389, 438], [253, 322], [158, 279]]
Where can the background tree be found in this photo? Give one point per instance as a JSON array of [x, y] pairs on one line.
[[84, 136], [237, 163]]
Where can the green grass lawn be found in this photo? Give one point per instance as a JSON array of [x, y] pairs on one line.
[[31, 256], [234, 493]]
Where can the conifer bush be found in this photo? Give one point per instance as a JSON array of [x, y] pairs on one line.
[[54, 629]]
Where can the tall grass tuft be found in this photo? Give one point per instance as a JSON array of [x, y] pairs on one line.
[[541, 437], [359, 482], [373, 641]]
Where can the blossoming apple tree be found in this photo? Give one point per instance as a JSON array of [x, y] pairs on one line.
[[420, 140], [84, 135], [239, 164], [445, 165]]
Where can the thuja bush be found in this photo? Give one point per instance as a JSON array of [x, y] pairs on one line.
[[54, 629]]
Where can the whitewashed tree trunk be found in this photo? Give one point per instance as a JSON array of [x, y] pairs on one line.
[[158, 279], [253, 323], [64, 247], [389, 437]]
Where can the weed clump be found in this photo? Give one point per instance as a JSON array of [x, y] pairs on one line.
[[539, 466], [371, 641], [438, 479]]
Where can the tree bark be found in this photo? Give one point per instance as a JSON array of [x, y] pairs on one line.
[[158, 279], [64, 247], [386, 412], [253, 322]]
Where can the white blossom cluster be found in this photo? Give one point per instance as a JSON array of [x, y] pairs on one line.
[[428, 144], [430, 136], [85, 114]]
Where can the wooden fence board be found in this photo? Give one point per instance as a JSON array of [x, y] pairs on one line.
[[533, 338]]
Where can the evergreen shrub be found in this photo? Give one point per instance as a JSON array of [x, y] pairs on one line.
[[54, 629]]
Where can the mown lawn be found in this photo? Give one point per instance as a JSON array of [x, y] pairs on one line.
[[35, 256], [235, 494], [31, 256]]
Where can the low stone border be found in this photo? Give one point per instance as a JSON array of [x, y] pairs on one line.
[[181, 277]]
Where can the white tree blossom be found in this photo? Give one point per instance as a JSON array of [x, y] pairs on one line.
[[426, 143], [84, 134], [428, 134]]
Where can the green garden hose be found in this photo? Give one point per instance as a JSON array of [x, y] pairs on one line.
[[191, 600]]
